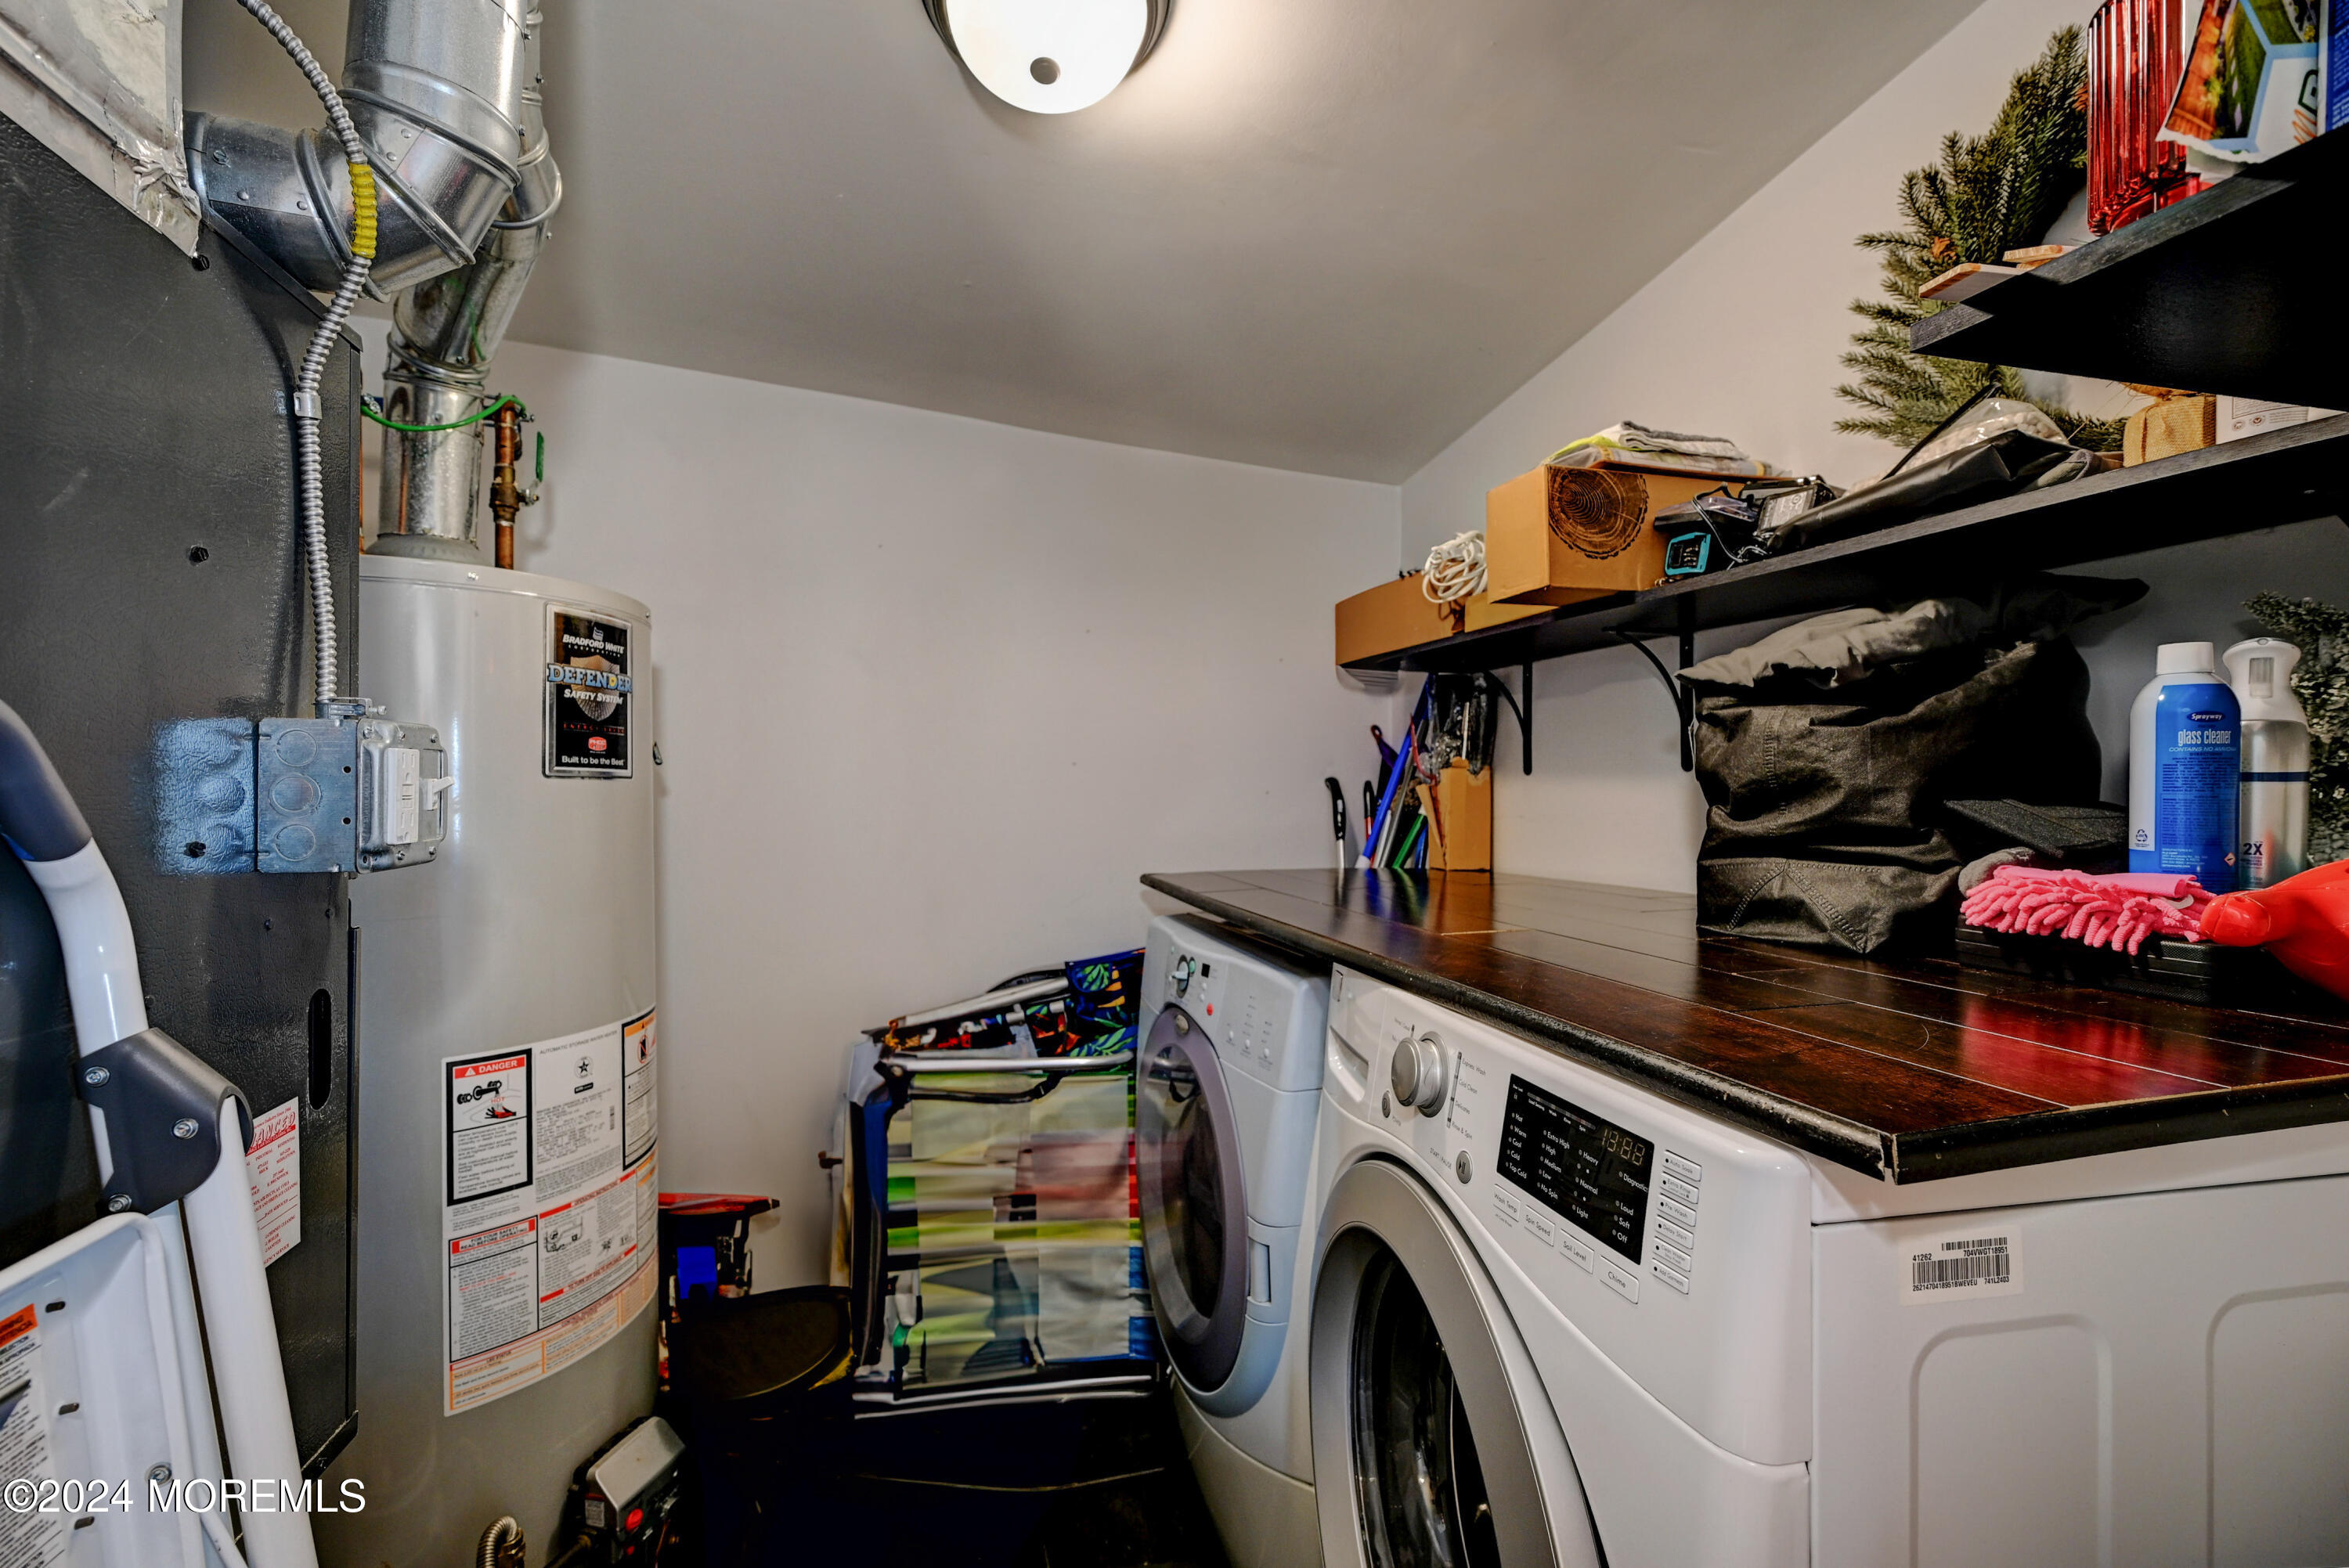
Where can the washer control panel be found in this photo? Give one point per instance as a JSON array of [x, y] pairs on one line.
[[1679, 1181], [1591, 1173], [1265, 1018]]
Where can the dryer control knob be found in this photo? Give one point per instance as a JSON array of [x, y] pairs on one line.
[[1417, 1074]]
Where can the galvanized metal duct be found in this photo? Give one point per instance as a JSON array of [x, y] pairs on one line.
[[446, 94], [444, 333], [435, 89]]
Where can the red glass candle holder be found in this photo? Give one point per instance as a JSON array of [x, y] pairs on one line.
[[2136, 57]]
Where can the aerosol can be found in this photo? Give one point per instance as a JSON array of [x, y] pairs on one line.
[[2274, 829]]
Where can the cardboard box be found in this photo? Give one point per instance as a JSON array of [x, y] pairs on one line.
[[2167, 427], [1559, 535], [1461, 819], [1397, 614]]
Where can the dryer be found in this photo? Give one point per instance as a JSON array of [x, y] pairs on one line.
[[1228, 1096], [1554, 1311]]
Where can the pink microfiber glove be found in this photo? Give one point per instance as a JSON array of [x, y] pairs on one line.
[[2118, 911]]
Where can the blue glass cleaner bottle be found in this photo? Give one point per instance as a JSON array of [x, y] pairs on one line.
[[2185, 768]]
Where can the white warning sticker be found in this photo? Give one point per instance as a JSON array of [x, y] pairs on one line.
[[274, 1166], [29, 1538], [550, 1204], [1956, 1265], [640, 1072], [489, 1125]]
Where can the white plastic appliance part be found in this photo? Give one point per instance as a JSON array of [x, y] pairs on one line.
[[95, 1389], [2136, 1357], [1709, 1387], [238, 1334], [1257, 1018]]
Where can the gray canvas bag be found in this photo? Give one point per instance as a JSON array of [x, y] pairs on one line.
[[1825, 752]]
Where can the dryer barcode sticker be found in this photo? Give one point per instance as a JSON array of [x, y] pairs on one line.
[[1958, 1265], [1991, 1265]]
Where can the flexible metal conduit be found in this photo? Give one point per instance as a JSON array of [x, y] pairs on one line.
[[501, 1543], [360, 177]]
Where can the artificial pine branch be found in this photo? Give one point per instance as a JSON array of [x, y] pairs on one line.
[[1988, 195]]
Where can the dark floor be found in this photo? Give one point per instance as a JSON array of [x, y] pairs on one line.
[[1086, 1484]]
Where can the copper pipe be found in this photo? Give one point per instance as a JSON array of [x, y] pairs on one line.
[[505, 495]]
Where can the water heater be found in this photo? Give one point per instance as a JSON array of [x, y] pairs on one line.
[[509, 1064]]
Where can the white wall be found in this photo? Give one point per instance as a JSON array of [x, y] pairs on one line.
[[931, 694], [1740, 337]]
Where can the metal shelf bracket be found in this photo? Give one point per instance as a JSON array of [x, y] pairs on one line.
[[1524, 711], [1684, 700]]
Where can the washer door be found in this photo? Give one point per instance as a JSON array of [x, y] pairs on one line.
[[1432, 1435], [1194, 1212]]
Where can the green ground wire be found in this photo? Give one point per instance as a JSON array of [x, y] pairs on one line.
[[368, 409]]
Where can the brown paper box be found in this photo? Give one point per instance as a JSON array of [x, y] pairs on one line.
[[1559, 534], [1397, 614]]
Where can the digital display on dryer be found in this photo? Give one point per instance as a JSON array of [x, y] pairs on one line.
[[1591, 1171]]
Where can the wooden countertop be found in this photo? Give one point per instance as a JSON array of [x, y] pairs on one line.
[[1909, 1071]]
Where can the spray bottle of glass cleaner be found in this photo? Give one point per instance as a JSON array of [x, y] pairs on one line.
[[2275, 762], [2184, 760]]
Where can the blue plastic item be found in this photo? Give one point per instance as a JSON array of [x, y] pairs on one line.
[[2185, 769]]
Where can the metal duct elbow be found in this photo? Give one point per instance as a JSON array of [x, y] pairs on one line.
[[437, 89], [451, 326], [444, 333]]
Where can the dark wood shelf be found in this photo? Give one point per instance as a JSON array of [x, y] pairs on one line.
[[1911, 1070], [2234, 290], [2282, 476]]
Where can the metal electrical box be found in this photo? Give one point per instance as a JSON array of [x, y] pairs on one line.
[[149, 575]]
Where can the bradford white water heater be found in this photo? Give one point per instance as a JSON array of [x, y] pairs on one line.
[[508, 1064]]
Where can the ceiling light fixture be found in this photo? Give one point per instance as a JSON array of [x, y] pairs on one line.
[[1049, 56]]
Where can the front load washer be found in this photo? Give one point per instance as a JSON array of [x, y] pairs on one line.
[[1228, 1093], [1556, 1314]]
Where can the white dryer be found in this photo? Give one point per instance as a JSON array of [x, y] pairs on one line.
[[1558, 1319], [1228, 1095]]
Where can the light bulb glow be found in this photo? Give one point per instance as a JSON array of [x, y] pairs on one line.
[[1048, 56]]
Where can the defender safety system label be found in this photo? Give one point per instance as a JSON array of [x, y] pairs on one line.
[[588, 694], [549, 1204]]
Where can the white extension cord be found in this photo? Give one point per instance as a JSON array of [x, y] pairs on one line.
[[1456, 567]]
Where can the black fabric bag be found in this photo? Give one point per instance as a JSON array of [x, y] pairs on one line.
[[2006, 464], [1824, 800]]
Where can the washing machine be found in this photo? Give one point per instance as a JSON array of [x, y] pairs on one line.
[[1228, 1095], [1559, 1319]]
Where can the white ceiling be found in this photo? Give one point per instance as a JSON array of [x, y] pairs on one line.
[[1325, 235]]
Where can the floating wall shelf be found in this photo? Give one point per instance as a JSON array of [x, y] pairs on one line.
[[2233, 290], [2283, 476]]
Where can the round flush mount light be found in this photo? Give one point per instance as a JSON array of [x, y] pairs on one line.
[[1049, 56]]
